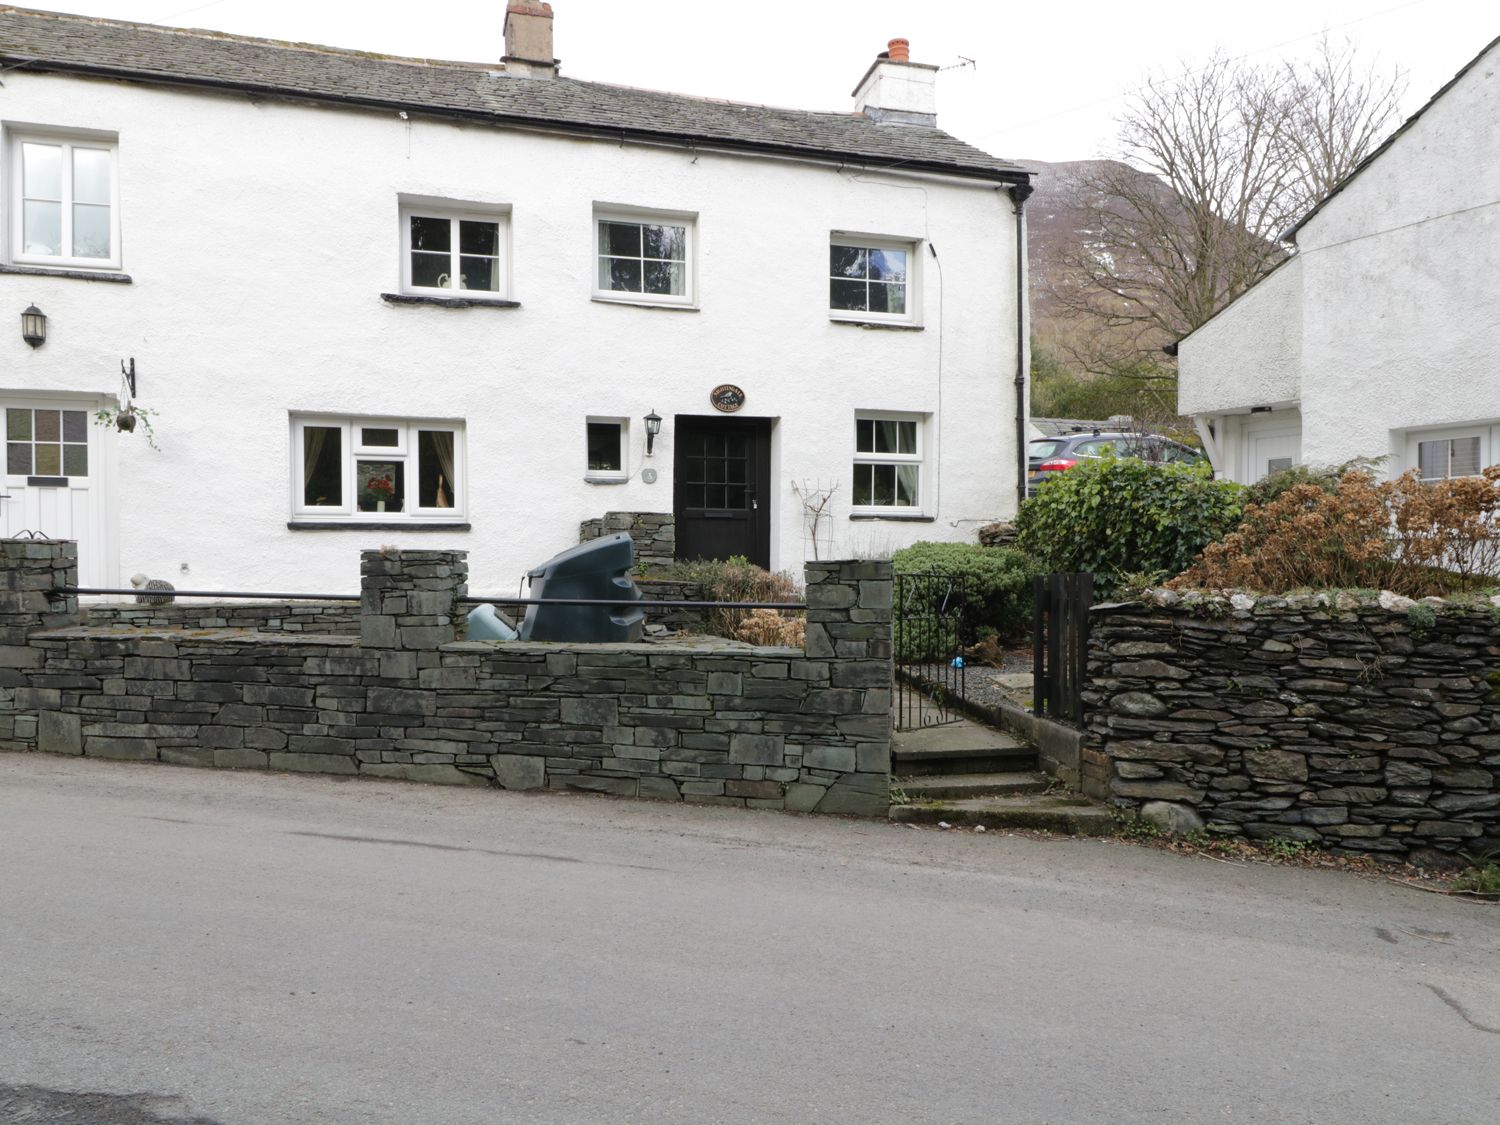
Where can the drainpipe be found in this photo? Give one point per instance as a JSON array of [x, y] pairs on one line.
[[1019, 193]]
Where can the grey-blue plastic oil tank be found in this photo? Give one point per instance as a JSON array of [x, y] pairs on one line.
[[487, 625], [599, 569]]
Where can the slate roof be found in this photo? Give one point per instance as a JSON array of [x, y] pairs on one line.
[[52, 42]]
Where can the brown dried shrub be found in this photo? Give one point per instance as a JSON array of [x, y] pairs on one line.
[[769, 627], [1408, 535]]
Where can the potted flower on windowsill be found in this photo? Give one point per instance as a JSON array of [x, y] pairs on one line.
[[381, 489]]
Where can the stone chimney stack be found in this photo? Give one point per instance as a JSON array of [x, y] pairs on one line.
[[528, 40], [897, 91]]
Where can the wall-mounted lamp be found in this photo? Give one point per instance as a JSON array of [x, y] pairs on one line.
[[653, 427], [34, 326]]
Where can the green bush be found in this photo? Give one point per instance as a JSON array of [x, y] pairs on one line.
[[991, 588], [1118, 517]]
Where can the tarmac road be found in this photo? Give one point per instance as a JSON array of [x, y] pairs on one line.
[[178, 945]]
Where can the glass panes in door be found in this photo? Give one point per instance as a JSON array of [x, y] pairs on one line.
[[46, 443], [716, 470]]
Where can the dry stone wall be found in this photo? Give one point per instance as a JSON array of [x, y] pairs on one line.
[[802, 729], [653, 535], [1358, 723], [338, 618]]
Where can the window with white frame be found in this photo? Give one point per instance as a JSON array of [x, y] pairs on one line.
[[887, 463], [451, 249], [64, 197], [378, 469], [1440, 456], [607, 448], [644, 258], [870, 278]]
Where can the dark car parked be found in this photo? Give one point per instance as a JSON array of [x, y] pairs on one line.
[[1049, 455]]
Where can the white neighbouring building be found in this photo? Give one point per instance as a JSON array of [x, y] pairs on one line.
[[1380, 337], [389, 301]]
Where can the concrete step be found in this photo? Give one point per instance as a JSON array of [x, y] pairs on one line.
[[961, 747], [960, 786], [1072, 816]]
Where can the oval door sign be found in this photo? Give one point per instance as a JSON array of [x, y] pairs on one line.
[[727, 397]]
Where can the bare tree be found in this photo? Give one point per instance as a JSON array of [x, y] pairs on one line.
[[1215, 164]]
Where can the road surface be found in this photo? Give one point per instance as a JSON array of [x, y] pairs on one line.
[[181, 945]]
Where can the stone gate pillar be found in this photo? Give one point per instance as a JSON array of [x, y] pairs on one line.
[[409, 599], [31, 572]]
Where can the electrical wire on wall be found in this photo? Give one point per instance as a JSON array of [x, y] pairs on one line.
[[937, 416]]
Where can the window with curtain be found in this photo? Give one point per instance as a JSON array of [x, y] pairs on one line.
[[644, 259], [887, 462], [446, 250], [1449, 457], [378, 469]]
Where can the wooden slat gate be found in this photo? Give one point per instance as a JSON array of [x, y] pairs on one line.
[[1060, 638]]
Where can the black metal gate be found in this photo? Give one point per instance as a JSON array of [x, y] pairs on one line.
[[934, 621], [1060, 639]]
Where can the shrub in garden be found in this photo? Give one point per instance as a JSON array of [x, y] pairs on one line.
[[1411, 536], [991, 587], [739, 580], [1115, 517]]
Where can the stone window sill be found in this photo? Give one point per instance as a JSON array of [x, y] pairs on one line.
[[643, 304], [889, 326], [370, 525], [74, 275], [895, 517], [606, 480], [448, 302]]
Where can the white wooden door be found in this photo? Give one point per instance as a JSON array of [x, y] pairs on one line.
[[1270, 452], [54, 479]]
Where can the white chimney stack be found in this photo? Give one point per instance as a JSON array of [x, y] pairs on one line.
[[528, 40], [897, 91]]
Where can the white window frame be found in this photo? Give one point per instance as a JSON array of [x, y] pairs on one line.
[[1489, 444], [913, 277], [608, 476], [456, 213], [919, 459], [351, 452], [67, 140], [616, 213]]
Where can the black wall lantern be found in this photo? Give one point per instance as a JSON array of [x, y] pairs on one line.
[[653, 427], [34, 326]]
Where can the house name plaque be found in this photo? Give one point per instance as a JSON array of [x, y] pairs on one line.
[[727, 397]]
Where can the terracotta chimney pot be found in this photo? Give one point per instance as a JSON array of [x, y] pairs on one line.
[[899, 50]]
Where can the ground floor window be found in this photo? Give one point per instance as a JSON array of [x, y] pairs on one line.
[[606, 449], [1442, 458], [887, 462], [378, 469]]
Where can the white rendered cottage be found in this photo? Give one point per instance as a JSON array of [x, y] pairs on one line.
[[1380, 337], [374, 300]]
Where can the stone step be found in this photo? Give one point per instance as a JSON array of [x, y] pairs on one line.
[[958, 786], [961, 747], [1071, 816]]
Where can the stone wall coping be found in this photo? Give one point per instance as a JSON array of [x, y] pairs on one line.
[[712, 647], [1158, 597], [228, 635]]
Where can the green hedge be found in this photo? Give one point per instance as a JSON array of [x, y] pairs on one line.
[[1126, 518], [992, 584]]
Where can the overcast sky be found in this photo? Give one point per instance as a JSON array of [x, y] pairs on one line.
[[1047, 78]]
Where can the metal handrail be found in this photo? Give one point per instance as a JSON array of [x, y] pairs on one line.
[[471, 599]]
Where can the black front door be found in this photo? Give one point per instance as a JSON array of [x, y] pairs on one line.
[[721, 488]]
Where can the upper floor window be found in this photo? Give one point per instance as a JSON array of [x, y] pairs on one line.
[[644, 258], [64, 202], [379, 469], [447, 251], [870, 279]]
